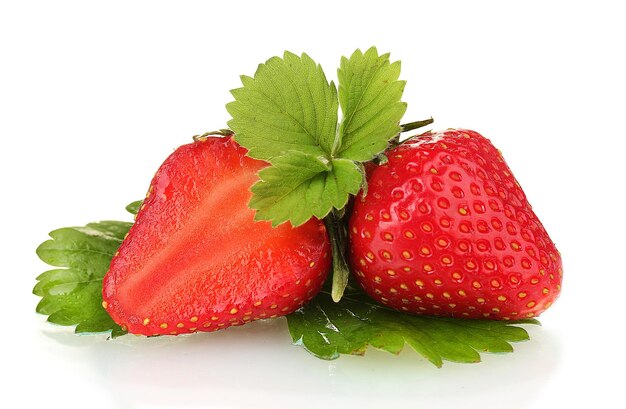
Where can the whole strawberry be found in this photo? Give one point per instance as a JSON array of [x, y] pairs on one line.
[[445, 229], [195, 259]]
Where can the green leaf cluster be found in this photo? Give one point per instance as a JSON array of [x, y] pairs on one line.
[[72, 294], [287, 115], [328, 329]]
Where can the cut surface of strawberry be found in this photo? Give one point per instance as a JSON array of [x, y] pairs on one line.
[[445, 229], [195, 259]]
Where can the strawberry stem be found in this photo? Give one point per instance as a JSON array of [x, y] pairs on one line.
[[220, 132], [337, 232], [417, 124], [395, 141]]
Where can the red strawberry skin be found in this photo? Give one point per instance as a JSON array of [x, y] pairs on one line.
[[195, 260], [445, 229]]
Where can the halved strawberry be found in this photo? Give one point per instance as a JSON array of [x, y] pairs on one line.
[[445, 229], [195, 260]]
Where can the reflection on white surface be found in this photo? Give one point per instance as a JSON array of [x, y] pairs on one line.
[[256, 366]]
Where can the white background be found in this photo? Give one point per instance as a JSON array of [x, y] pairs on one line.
[[94, 95]]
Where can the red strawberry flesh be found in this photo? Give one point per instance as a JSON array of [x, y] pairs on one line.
[[195, 260]]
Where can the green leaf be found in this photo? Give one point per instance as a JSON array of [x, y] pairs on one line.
[[287, 114], [369, 95], [299, 186], [73, 295], [288, 105], [327, 329], [133, 208]]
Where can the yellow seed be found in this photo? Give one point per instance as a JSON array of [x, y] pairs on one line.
[[531, 304], [462, 293], [545, 291], [501, 298], [193, 319], [427, 268], [534, 280], [438, 281], [404, 286], [391, 272], [105, 305], [164, 325], [193, 329], [495, 309], [233, 311], [387, 255], [284, 309], [214, 318], [476, 284], [312, 263], [146, 321], [430, 295], [180, 325], [456, 276], [522, 295], [273, 306], [446, 294], [393, 290], [480, 300], [409, 234], [419, 283], [378, 279], [462, 211], [451, 305]]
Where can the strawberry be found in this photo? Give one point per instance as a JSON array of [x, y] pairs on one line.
[[445, 229], [195, 259]]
